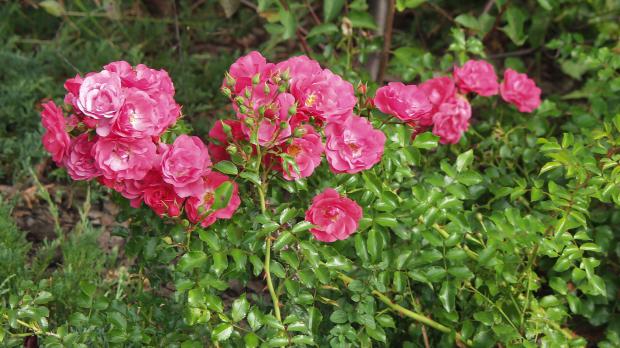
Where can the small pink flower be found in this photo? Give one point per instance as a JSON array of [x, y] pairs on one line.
[[198, 208], [306, 151], [476, 76], [438, 90], [184, 164], [335, 217], [408, 103], [56, 140], [139, 116], [218, 150], [72, 86], [452, 120], [325, 96], [124, 158], [353, 145], [520, 90], [162, 199], [298, 69], [80, 162], [246, 67], [101, 95], [274, 127]]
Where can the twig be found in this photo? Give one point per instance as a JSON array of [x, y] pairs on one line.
[[303, 42], [387, 42], [316, 18], [487, 7], [440, 10], [521, 52]]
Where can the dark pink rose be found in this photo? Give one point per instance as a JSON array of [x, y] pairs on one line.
[[218, 150], [246, 67], [438, 90], [101, 95], [405, 102], [162, 198], [80, 162], [306, 151], [520, 90], [198, 208], [274, 127], [56, 140], [452, 120], [335, 217], [476, 76], [298, 68], [124, 158], [184, 164], [72, 86], [353, 145]]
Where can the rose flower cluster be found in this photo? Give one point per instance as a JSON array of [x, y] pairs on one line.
[[113, 134], [441, 102]]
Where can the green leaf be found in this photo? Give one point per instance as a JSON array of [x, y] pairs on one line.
[[331, 9], [464, 160], [226, 167], [447, 295], [514, 29], [191, 260], [251, 177], [222, 332], [322, 29], [287, 18], [338, 316], [220, 263], [251, 340], [301, 226], [374, 243], [362, 20], [240, 308], [425, 140], [52, 7], [373, 184], [402, 5], [222, 195], [468, 21]]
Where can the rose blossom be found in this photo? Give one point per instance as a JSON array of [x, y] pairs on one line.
[[274, 127], [162, 198], [476, 76], [438, 90], [197, 207], [452, 120], [335, 217], [218, 150], [246, 67], [306, 151], [299, 68], [353, 145], [520, 90], [55, 140], [184, 164], [79, 161], [101, 95], [124, 158], [72, 86], [138, 118], [408, 103]]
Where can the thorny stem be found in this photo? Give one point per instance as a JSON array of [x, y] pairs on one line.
[[409, 313]]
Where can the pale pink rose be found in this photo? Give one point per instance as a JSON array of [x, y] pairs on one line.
[[246, 67], [335, 217], [325, 96], [476, 76], [520, 90], [298, 69], [217, 149], [124, 70], [438, 90], [139, 116], [408, 103], [55, 140], [101, 95], [124, 158], [162, 198], [353, 145], [72, 86], [452, 120], [184, 164], [80, 162], [306, 151], [198, 208]]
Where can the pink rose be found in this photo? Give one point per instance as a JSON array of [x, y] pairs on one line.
[[452, 120], [184, 164], [335, 217], [198, 208], [72, 86], [405, 102], [274, 127], [325, 96], [217, 149], [306, 151], [138, 118], [520, 90], [353, 145], [56, 140], [79, 161], [124, 158], [162, 198], [438, 90], [246, 67], [299, 68], [101, 95], [476, 76], [124, 70]]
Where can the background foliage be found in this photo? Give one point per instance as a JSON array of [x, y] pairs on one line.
[[509, 238]]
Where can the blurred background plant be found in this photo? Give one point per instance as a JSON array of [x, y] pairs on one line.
[[514, 243]]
